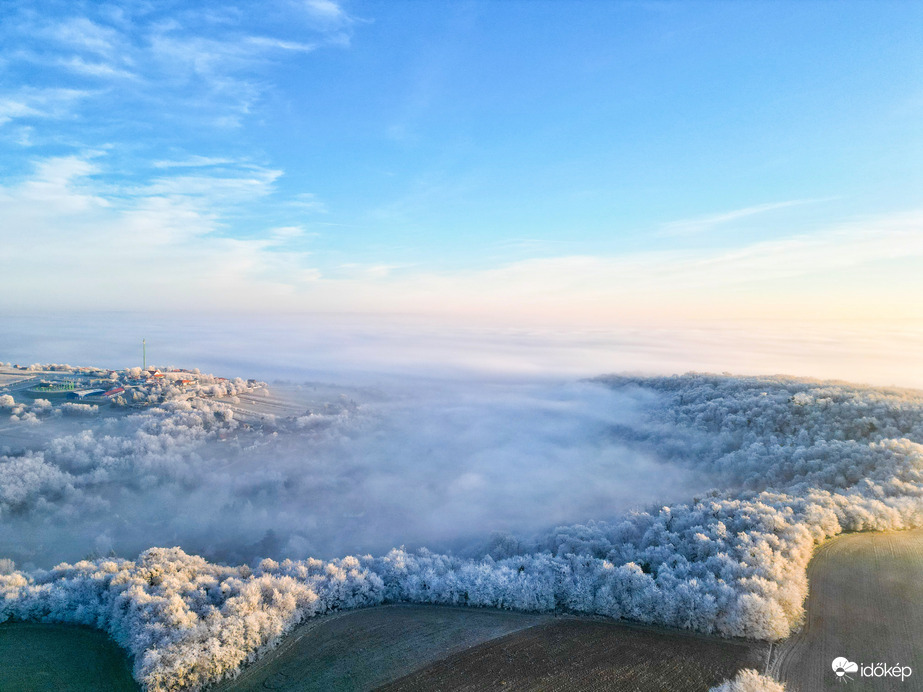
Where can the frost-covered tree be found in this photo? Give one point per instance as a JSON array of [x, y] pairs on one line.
[[749, 680], [799, 461]]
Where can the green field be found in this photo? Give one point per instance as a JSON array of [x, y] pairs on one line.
[[362, 649], [865, 604], [407, 647], [36, 657]]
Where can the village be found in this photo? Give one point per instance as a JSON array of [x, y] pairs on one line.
[[134, 387], [35, 392]]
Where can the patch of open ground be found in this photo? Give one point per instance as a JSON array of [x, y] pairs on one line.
[[363, 649], [588, 655], [286, 401], [865, 604], [11, 379], [37, 657], [251, 407]]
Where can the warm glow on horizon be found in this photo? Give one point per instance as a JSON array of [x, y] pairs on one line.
[[258, 164]]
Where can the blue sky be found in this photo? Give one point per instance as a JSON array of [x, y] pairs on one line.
[[516, 160]]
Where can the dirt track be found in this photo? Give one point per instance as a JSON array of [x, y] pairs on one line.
[[866, 604]]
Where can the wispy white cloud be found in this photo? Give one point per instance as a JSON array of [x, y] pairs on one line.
[[861, 269], [239, 186], [194, 162], [278, 44], [306, 201], [83, 34], [149, 245], [284, 233], [173, 226], [39, 103], [845, 247], [373, 272], [702, 224], [325, 9], [14, 108], [204, 63], [100, 70]]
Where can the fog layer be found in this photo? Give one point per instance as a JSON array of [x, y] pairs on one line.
[[322, 471], [365, 348], [795, 462]]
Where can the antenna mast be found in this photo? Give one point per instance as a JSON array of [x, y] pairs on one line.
[[143, 354]]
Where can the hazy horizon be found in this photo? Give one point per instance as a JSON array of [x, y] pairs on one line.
[[474, 163], [361, 348]]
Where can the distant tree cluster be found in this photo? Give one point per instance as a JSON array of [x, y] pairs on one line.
[[71, 409], [30, 414], [151, 447], [801, 461]]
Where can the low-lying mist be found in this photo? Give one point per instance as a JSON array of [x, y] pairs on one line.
[[361, 349], [794, 462], [428, 437], [335, 471]]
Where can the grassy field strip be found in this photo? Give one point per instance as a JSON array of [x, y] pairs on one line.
[[866, 604], [363, 649], [269, 404], [570, 653], [253, 408], [36, 657]]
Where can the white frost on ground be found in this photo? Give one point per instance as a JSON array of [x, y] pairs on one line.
[[801, 462]]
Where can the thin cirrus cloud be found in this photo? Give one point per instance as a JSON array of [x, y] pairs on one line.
[[210, 62], [707, 223], [240, 184], [81, 33], [123, 241], [202, 202], [844, 246], [96, 69], [174, 224], [194, 162], [39, 103]]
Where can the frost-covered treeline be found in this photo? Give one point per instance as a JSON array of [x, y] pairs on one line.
[[153, 446], [800, 462], [170, 388], [29, 414], [184, 620]]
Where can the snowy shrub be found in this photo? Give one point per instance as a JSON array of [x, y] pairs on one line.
[[71, 409], [748, 680]]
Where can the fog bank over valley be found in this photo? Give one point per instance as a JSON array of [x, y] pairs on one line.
[[530, 508], [321, 470], [368, 349]]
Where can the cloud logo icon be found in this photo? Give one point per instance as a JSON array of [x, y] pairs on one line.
[[841, 666]]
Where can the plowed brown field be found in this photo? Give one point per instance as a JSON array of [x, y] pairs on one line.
[[865, 604], [587, 655], [362, 649]]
